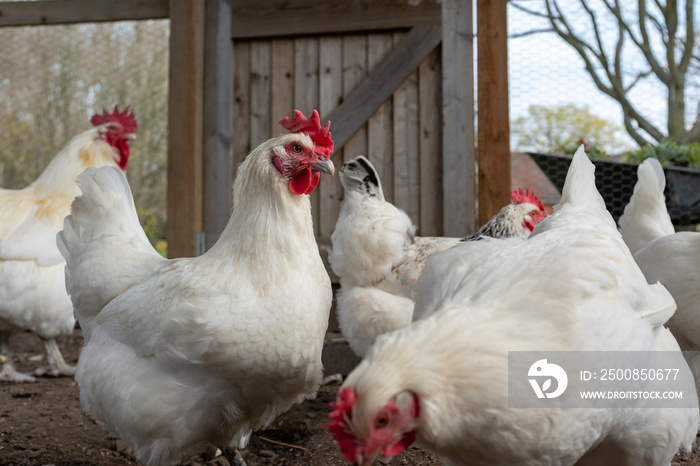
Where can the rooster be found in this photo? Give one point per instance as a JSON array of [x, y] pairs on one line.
[[32, 286], [209, 348], [664, 255], [378, 258], [443, 381]]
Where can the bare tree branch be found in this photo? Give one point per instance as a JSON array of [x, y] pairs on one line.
[[527, 10], [530, 33], [604, 56]]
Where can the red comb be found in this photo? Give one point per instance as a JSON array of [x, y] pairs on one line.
[[339, 415], [521, 197], [320, 135], [126, 119]]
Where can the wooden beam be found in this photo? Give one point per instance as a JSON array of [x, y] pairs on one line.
[[458, 167], [381, 82], [45, 12], [493, 127], [218, 113], [185, 102], [295, 18]]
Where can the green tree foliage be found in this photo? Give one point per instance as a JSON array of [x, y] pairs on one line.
[[562, 129], [54, 78], [669, 153]]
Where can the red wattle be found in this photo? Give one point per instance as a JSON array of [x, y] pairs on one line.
[[398, 447], [304, 181], [123, 148]]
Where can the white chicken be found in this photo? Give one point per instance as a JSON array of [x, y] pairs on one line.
[[209, 348], [32, 284], [443, 381], [664, 255], [378, 258]]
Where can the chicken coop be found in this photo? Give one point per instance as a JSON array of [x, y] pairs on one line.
[[395, 77]]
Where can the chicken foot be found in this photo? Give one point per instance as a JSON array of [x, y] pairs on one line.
[[55, 364], [234, 457], [9, 372]]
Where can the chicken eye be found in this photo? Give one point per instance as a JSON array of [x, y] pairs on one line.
[[296, 148], [381, 421], [533, 213]]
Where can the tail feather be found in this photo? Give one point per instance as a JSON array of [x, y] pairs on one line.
[[646, 218], [105, 247], [579, 188]]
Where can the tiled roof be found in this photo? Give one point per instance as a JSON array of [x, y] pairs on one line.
[[524, 173]]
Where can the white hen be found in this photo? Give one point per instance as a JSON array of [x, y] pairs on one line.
[[209, 348], [664, 255], [32, 286], [378, 258], [443, 381]]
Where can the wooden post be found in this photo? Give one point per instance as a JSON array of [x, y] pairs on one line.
[[218, 111], [185, 127], [458, 167], [493, 128]]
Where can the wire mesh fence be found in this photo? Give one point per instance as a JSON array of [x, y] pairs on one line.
[[54, 78], [546, 71], [555, 104]]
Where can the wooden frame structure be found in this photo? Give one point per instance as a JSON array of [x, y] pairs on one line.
[[201, 110]]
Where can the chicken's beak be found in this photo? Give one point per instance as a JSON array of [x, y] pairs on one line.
[[323, 164], [366, 461], [130, 137]]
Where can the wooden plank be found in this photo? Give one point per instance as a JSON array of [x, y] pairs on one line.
[[218, 108], [241, 103], [380, 147], [260, 72], [458, 167], [493, 127], [406, 145], [430, 143], [306, 56], [330, 95], [354, 70], [38, 13], [254, 20], [378, 85], [282, 90], [185, 102]]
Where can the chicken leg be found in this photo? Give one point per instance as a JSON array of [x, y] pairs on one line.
[[55, 364], [234, 457], [9, 372]]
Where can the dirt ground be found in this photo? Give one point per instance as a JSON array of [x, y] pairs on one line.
[[43, 424]]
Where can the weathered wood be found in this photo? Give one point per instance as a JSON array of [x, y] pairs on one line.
[[380, 142], [493, 127], [378, 85], [282, 95], [330, 95], [354, 70], [260, 72], [406, 146], [218, 108], [257, 19], [429, 80], [306, 95], [458, 168], [185, 102], [39, 13], [241, 103]]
